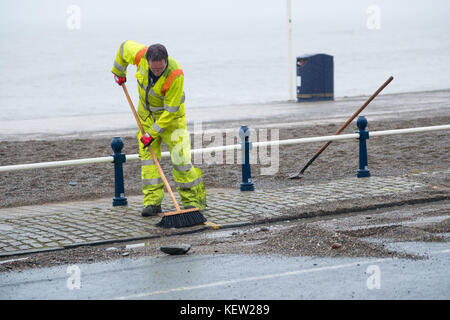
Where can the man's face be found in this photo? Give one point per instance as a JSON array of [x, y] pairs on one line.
[[157, 67]]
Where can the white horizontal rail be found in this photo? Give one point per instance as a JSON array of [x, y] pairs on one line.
[[54, 164], [350, 136], [409, 130]]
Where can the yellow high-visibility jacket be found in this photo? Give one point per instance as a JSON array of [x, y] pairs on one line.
[[165, 101]]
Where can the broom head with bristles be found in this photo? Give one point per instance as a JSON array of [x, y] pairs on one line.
[[182, 218]]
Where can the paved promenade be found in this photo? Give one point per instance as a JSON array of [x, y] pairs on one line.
[[64, 225]]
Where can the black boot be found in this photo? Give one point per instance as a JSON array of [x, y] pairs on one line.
[[151, 210]]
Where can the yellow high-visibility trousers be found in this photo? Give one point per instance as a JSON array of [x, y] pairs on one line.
[[188, 179]]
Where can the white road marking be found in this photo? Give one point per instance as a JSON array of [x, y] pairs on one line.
[[257, 278]]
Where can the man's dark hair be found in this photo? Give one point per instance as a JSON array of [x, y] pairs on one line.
[[156, 52]]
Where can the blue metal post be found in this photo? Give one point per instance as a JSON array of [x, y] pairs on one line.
[[118, 159], [363, 136], [247, 184]]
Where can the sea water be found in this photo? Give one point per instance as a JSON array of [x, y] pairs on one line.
[[56, 56]]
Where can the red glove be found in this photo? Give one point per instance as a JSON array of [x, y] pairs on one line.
[[120, 80], [146, 140]]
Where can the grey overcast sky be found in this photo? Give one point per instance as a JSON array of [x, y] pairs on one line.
[[226, 11]]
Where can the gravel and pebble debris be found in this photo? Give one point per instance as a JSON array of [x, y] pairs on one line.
[[422, 157]]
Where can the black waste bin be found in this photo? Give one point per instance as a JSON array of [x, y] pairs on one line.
[[315, 77]]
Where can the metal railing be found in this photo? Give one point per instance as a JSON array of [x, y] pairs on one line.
[[110, 159]]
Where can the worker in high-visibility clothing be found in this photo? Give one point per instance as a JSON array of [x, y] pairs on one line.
[[161, 111]]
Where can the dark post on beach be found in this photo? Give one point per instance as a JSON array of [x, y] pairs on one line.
[[118, 159], [247, 184], [363, 136]]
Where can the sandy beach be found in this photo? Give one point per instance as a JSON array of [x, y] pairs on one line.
[[389, 155]]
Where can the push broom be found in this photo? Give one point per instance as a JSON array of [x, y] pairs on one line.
[[174, 219], [299, 174]]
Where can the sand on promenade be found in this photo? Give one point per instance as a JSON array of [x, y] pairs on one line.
[[422, 155], [388, 155]]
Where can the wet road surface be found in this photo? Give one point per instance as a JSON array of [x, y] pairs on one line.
[[242, 277]]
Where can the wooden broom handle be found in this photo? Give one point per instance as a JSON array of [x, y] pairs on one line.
[[353, 117], [364, 105], [141, 128]]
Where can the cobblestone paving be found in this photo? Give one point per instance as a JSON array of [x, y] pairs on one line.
[[35, 228]]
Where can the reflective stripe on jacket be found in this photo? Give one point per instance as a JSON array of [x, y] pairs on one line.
[[165, 98]]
